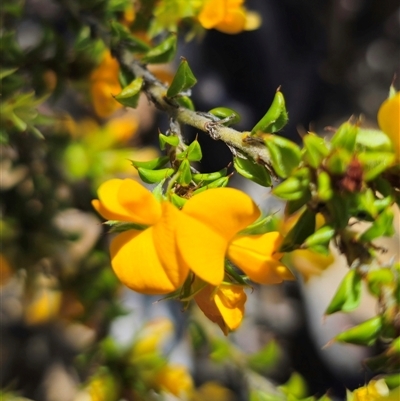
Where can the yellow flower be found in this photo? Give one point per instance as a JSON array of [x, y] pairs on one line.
[[150, 338], [157, 260], [227, 16], [174, 379], [223, 305], [104, 84], [307, 262], [375, 390], [389, 121]]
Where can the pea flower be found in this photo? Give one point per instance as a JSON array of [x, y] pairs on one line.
[[375, 390], [157, 260], [389, 121], [174, 379], [104, 84], [223, 305], [228, 16]]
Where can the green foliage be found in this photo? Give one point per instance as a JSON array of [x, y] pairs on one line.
[[252, 171], [129, 96], [183, 79], [275, 118], [224, 113], [162, 53], [348, 294]]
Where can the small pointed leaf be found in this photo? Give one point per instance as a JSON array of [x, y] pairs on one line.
[[183, 79]]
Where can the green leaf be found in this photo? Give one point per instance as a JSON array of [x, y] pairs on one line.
[[320, 237], [290, 189], [168, 140], [381, 227], [252, 171], [186, 102], [365, 333], [266, 358], [345, 137], [315, 149], [260, 226], [19, 124], [295, 187], [296, 386], [223, 113], [285, 154], [363, 202], [154, 176], [338, 161], [183, 79], [193, 151], [219, 183], [324, 186], [121, 34], [338, 207], [185, 176], [275, 118], [178, 201], [129, 96], [303, 228], [294, 205], [373, 140], [151, 164], [208, 177], [375, 163], [5, 72], [162, 53], [377, 279], [158, 191], [348, 294]]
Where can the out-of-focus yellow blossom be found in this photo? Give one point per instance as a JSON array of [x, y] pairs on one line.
[[158, 259], [101, 387], [375, 390], [308, 263], [104, 84], [228, 16], [174, 379], [100, 152], [5, 270], [389, 121], [129, 14], [223, 305], [152, 335], [45, 303], [212, 391]]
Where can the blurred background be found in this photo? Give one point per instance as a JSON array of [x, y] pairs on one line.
[[65, 320]]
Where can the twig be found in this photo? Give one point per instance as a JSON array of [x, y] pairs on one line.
[[156, 93]]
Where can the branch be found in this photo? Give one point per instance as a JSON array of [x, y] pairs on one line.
[[156, 90]]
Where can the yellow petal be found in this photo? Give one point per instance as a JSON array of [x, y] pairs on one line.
[[202, 249], [226, 210], [256, 256], [234, 22], [230, 300], [165, 234], [102, 97], [140, 202], [174, 379], [135, 262], [127, 200], [212, 13], [309, 263], [205, 301], [253, 21], [389, 121]]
